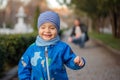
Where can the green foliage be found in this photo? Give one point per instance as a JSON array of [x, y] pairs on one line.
[[37, 12], [12, 47], [107, 39], [94, 8]]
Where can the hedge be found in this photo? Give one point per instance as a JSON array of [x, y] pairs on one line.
[[12, 47]]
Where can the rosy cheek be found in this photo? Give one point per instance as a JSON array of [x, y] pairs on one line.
[[40, 33]]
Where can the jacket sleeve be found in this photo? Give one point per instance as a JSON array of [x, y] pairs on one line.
[[24, 66], [69, 57]]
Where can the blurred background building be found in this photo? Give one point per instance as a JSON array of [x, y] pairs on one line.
[[32, 8]]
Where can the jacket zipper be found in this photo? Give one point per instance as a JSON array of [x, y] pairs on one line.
[[47, 65]]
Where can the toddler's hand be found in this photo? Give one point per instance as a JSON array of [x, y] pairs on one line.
[[78, 61]]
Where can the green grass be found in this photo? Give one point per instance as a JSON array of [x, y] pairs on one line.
[[107, 39]]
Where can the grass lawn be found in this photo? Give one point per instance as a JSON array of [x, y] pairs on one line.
[[107, 39]]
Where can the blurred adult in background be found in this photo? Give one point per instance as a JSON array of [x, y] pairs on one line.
[[79, 34]]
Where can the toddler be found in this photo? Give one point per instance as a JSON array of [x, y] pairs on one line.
[[46, 58]]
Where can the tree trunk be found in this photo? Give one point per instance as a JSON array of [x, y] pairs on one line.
[[95, 22], [100, 24], [115, 20], [118, 21]]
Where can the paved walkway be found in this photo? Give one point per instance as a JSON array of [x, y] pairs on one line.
[[100, 63]]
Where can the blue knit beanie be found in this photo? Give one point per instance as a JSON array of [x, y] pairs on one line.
[[49, 16]]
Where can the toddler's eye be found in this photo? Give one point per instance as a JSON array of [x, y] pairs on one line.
[[42, 27], [52, 28]]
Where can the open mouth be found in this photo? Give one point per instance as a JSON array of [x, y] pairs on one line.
[[47, 35]]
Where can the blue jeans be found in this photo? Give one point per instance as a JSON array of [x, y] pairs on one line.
[[80, 41]]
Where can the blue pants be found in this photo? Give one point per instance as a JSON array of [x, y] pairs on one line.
[[79, 41]]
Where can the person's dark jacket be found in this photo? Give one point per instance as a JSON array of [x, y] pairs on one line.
[[83, 29]]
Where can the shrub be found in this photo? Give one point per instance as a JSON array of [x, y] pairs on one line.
[[12, 47]]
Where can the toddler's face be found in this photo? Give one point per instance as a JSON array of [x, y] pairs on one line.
[[47, 31]]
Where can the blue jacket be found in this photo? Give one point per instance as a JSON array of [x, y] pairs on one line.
[[47, 63]]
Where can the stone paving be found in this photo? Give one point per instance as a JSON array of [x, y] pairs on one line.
[[100, 64]]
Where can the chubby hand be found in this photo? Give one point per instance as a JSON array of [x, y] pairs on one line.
[[78, 61], [69, 39]]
